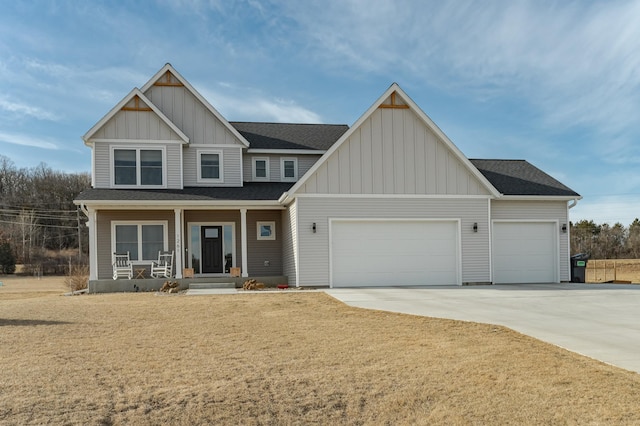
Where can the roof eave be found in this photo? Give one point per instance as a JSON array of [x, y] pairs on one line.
[[541, 197]]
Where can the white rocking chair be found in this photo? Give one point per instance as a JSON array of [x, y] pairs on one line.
[[122, 266], [163, 268]]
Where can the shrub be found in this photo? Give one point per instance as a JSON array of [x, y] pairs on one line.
[[7, 259], [78, 278]]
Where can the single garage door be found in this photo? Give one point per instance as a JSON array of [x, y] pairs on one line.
[[394, 252], [525, 252]]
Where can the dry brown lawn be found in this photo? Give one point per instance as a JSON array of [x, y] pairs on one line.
[[290, 358]]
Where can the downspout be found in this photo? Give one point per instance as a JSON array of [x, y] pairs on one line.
[[573, 203]]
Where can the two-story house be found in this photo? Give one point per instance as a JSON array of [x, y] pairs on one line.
[[388, 201]]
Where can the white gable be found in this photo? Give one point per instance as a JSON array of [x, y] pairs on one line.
[[394, 149], [191, 112]]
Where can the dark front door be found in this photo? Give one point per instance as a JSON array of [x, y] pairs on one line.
[[211, 249]]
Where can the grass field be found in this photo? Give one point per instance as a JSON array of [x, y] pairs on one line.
[[282, 358]]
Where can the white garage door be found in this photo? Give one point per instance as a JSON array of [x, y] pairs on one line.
[[525, 252], [389, 253]]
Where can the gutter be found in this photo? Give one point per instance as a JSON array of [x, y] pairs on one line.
[[573, 203]]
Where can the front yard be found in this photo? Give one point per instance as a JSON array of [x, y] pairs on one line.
[[292, 358]]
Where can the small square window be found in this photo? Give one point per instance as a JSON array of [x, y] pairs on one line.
[[266, 230], [289, 169], [261, 168]]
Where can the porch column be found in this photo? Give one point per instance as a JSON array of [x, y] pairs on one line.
[[179, 253], [92, 224], [243, 237]]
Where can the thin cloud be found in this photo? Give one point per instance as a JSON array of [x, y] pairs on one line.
[[19, 109], [27, 140], [239, 107]]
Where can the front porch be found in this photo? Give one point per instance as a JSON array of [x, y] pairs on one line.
[[146, 285]]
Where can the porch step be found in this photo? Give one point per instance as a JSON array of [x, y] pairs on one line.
[[205, 286]]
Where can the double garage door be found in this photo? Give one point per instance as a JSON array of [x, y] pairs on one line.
[[370, 253], [394, 252]]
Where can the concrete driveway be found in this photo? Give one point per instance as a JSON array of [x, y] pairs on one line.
[[599, 321]]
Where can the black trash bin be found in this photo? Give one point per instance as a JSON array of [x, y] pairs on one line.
[[578, 267]]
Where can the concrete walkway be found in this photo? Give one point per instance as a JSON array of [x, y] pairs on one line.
[[599, 321]]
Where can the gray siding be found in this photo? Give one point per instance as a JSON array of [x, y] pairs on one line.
[[304, 164], [190, 115], [289, 243], [313, 263], [393, 152], [231, 158], [136, 125], [261, 251], [538, 210], [102, 166], [104, 219]]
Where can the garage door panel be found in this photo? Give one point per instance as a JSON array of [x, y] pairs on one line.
[[525, 252], [384, 253]]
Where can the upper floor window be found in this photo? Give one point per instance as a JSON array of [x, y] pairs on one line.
[[260, 168], [210, 166], [138, 167], [289, 169]]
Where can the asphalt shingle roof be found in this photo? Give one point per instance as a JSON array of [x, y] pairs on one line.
[[518, 177], [252, 191], [290, 136]]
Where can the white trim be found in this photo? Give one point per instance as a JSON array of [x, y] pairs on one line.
[[283, 178], [387, 220], [92, 223], [234, 258], [139, 223], [296, 247], [139, 141], [198, 96], [220, 154], [556, 222], [137, 149], [541, 197], [410, 196], [286, 151], [179, 252], [253, 169], [490, 225], [270, 223], [93, 167], [243, 242], [193, 204]]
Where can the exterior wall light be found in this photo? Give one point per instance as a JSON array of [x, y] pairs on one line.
[[475, 226], [314, 227], [564, 228]]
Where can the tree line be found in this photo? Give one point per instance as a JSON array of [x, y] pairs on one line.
[[37, 214], [603, 241]]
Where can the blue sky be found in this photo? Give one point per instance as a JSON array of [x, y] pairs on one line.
[[554, 82]]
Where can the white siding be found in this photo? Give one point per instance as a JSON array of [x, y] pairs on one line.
[[231, 165], [393, 152], [290, 243], [190, 115], [304, 164], [538, 210], [313, 263]]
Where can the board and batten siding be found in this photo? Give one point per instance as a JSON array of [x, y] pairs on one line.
[[231, 167], [190, 115], [313, 262], [103, 163], [144, 125], [393, 152], [304, 164], [538, 210], [289, 243], [103, 236]]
